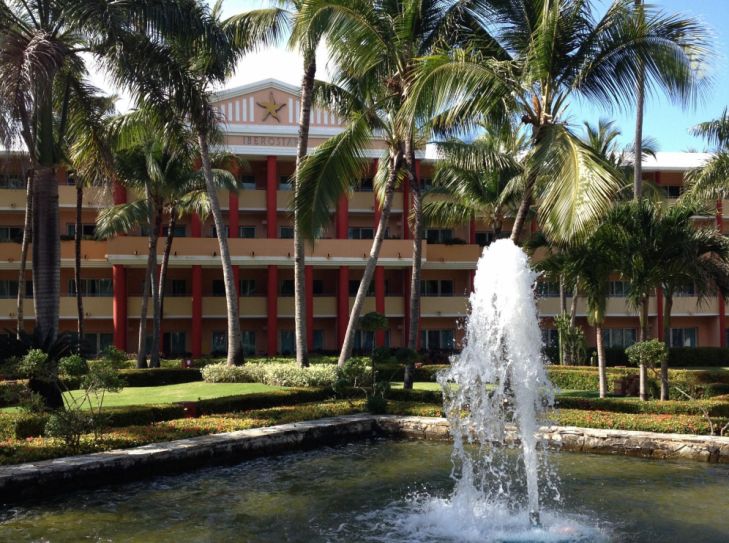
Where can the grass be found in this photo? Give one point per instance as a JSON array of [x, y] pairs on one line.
[[417, 385], [182, 392]]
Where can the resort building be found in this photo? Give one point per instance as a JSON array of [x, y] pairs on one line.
[[261, 128]]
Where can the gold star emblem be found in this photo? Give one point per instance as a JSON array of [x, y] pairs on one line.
[[272, 108]]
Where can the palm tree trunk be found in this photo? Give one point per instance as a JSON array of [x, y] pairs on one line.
[[573, 306], [643, 336], [77, 263], [46, 258], [154, 348], [159, 307], [523, 211], [667, 309], [638, 150], [417, 267], [601, 360], [27, 232], [364, 284], [307, 87], [563, 356], [148, 281], [235, 347]]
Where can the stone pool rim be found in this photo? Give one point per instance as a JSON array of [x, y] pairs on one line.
[[20, 482]]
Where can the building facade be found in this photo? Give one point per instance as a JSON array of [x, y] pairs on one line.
[[261, 128]]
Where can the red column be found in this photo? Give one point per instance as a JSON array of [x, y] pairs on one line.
[[233, 216], [195, 226], [659, 313], [271, 189], [406, 305], [722, 316], [272, 310], [119, 194], [380, 302], [342, 225], [342, 304], [472, 232], [196, 336], [119, 306], [309, 280]]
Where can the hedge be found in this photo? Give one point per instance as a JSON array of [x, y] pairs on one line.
[[635, 406], [678, 357], [22, 425], [10, 391], [154, 377]]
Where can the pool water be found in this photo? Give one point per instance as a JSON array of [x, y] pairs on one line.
[[383, 491]]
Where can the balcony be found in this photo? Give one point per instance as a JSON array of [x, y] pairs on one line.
[[93, 254], [259, 252], [94, 308], [94, 197], [452, 256], [443, 306]]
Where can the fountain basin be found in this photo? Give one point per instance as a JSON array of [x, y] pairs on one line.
[[388, 491]]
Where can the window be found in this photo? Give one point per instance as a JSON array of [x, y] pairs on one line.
[[673, 191], [550, 338], [247, 232], [87, 230], [247, 182], [484, 238], [95, 343], [426, 182], [437, 340], [318, 344], [617, 289], [366, 184], [8, 289], [361, 232], [284, 182], [547, 289], [363, 341], [11, 182], [286, 232], [178, 287], [179, 231], [220, 343], [287, 287], [686, 290], [287, 342], [11, 233], [214, 232], [248, 339], [178, 343], [247, 287], [317, 287], [619, 337], [354, 286], [684, 337], [438, 235], [92, 287], [436, 287], [218, 287]]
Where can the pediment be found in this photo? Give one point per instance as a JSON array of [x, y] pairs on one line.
[[267, 103]]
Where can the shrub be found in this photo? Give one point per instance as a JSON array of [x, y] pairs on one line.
[[69, 425], [72, 366], [651, 353], [21, 425], [118, 359], [261, 400], [698, 356], [11, 392], [289, 374], [159, 376]]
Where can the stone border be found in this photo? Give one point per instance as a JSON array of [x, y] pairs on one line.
[[24, 481]]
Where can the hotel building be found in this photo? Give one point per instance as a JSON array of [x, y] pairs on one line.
[[261, 128]]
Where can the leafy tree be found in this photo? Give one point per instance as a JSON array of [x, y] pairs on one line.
[[41, 67], [375, 46], [711, 181], [161, 166], [529, 59]]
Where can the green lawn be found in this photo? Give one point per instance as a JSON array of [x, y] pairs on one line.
[[417, 385], [198, 390]]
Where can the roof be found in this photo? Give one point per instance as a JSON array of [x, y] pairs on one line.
[[675, 161]]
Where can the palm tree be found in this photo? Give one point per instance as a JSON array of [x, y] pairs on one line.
[[529, 59], [695, 258], [588, 264], [711, 181], [161, 165], [41, 48], [177, 82], [375, 46]]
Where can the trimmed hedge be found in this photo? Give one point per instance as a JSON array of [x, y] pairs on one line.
[[10, 391], [154, 377], [277, 374], [396, 372], [635, 406]]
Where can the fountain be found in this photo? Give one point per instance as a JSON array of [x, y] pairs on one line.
[[498, 385]]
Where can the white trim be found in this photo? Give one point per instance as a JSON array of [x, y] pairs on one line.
[[291, 111], [279, 151], [235, 129], [254, 87], [244, 112], [252, 108], [237, 111]]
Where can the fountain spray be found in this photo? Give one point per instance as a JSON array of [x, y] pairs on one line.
[[497, 389]]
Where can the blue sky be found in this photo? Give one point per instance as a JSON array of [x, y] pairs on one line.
[[665, 122]]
